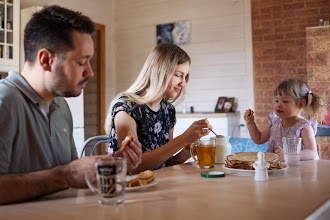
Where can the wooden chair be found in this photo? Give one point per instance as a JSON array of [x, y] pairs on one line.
[[98, 140]]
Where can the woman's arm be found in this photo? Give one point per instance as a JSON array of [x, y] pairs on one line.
[[156, 157], [182, 156], [309, 152]]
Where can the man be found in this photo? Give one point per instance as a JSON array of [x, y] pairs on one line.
[[37, 151]]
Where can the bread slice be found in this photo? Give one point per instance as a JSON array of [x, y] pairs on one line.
[[125, 142], [248, 115], [147, 176]]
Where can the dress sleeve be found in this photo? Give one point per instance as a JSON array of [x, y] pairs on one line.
[[271, 118], [126, 106], [305, 123]]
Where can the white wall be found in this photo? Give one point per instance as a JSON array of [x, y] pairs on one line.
[[220, 47]]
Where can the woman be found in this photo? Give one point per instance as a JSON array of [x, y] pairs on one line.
[[146, 110]]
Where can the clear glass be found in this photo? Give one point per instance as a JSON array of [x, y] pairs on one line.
[[204, 149], [291, 150], [110, 175]]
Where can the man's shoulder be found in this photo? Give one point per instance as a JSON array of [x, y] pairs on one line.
[[9, 92]]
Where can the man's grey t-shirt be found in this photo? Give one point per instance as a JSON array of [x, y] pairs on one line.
[[29, 141]]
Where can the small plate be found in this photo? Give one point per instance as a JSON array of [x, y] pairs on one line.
[[242, 172], [137, 188]]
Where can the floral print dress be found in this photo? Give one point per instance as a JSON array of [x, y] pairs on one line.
[[152, 127], [277, 131]]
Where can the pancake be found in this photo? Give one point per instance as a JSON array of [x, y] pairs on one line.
[[245, 160]]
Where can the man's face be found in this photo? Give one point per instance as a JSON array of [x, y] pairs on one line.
[[72, 72]]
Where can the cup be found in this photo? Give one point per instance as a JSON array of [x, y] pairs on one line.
[[205, 152], [107, 178], [222, 149], [291, 150]]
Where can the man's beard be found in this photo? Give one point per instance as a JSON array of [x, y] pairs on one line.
[[60, 84]]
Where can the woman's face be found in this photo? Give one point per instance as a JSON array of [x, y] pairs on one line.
[[178, 80]]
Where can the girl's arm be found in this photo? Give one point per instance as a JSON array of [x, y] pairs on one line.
[[309, 152], [154, 158], [257, 136]]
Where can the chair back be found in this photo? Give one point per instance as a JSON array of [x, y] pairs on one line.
[[95, 139]]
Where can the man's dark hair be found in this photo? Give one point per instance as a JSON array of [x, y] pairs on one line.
[[52, 28]]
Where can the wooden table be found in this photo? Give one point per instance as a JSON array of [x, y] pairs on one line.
[[181, 193]]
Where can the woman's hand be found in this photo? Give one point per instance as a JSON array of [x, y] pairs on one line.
[[279, 152], [197, 130], [132, 154]]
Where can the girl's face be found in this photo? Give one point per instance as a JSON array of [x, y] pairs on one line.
[[178, 80], [286, 107]]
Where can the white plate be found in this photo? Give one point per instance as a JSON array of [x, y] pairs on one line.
[[137, 188], [242, 172]]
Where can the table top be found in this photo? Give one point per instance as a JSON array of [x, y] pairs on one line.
[[181, 193]]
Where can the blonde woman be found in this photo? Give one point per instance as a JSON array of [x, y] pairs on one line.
[[146, 110]]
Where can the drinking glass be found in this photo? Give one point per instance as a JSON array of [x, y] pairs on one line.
[[291, 150], [107, 178]]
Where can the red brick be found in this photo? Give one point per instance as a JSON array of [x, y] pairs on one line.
[[295, 35], [284, 43], [309, 45], [257, 38], [322, 44], [284, 29], [302, 71], [322, 73], [315, 4], [273, 37], [293, 6], [285, 57], [317, 32], [325, 11], [317, 59], [277, 23]]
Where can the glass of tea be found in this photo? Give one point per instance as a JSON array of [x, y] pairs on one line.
[[204, 150]]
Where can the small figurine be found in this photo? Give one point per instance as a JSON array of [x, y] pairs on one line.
[[261, 168]]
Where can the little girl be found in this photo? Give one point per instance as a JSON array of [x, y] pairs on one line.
[[292, 98]]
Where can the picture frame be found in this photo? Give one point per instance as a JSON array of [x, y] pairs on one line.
[[326, 23], [229, 103], [219, 107]]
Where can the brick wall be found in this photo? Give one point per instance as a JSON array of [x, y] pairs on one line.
[[318, 60], [279, 45]]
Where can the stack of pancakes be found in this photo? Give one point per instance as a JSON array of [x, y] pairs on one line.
[[245, 160]]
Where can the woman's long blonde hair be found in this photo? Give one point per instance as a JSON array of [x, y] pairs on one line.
[[153, 80], [298, 90]]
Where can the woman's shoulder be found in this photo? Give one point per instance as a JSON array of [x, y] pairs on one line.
[[123, 104]]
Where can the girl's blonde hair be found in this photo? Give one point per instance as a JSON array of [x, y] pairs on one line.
[[152, 82], [299, 90]]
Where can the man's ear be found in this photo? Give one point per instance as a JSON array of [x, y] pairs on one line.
[[45, 59], [301, 104]]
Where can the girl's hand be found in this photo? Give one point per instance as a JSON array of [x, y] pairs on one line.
[[249, 116], [197, 130], [279, 152]]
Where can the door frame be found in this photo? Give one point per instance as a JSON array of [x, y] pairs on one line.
[[101, 78]]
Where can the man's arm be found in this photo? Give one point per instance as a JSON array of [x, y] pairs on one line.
[[21, 187]]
